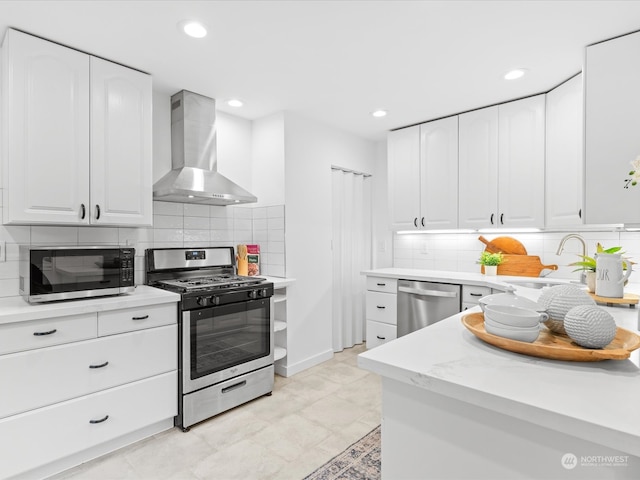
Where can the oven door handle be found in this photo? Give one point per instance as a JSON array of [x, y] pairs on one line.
[[234, 386]]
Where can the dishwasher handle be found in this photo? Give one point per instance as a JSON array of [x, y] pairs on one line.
[[427, 293]]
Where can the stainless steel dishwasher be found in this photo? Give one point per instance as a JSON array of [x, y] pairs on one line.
[[424, 303]]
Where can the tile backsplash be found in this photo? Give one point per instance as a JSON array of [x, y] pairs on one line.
[[174, 225], [459, 252]]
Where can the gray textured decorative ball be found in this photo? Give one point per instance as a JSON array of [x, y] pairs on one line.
[[558, 300], [590, 326]]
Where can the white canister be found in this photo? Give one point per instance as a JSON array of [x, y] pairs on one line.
[[610, 276]]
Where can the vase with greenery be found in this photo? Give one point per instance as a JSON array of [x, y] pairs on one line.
[[588, 264], [490, 262]]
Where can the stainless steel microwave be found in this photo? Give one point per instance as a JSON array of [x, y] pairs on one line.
[[64, 273]]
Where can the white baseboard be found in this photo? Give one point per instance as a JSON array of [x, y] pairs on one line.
[[292, 369]]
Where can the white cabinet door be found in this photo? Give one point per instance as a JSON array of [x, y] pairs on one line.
[[33, 439], [403, 157], [564, 166], [46, 130], [439, 174], [521, 163], [478, 164], [121, 189], [612, 123]]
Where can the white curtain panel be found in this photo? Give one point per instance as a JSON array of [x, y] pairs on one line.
[[351, 255]]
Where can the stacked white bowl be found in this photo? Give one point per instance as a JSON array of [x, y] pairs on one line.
[[515, 323]]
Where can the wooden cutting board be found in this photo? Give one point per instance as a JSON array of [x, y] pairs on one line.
[[522, 266], [504, 245]]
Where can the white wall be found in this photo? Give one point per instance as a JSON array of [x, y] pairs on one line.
[[268, 159], [311, 149]]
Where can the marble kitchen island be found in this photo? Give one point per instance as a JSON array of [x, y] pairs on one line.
[[454, 407]]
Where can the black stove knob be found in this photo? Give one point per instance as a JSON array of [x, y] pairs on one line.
[[214, 300], [253, 294], [202, 301], [264, 292]]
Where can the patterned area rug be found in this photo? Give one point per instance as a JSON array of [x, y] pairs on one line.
[[361, 461]]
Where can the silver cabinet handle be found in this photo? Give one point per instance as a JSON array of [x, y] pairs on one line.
[[427, 293], [234, 386]]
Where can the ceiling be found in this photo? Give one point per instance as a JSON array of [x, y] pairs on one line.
[[337, 61]]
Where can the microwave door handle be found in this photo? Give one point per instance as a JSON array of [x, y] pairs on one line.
[[427, 293]]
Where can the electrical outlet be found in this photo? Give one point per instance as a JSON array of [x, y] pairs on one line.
[[3, 251]]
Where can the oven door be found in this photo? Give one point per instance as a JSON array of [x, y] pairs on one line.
[[225, 341]]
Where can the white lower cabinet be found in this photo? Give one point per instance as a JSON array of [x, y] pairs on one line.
[[42, 436], [381, 310], [379, 333], [471, 294], [98, 381]]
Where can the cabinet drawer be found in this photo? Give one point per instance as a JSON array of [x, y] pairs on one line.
[[379, 333], [21, 336], [473, 293], [380, 284], [49, 375], [382, 307], [41, 436], [130, 319]]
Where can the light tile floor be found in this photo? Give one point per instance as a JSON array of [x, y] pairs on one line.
[[310, 418]]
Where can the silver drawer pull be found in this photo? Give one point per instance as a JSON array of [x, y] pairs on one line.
[[99, 421], [99, 366], [380, 338], [144, 317], [381, 307], [234, 386], [427, 293], [50, 332]]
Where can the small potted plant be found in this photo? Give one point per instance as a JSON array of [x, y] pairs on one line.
[[490, 262]]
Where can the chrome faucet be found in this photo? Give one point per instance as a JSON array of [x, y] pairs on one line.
[[583, 275]]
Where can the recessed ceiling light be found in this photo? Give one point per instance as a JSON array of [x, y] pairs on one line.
[[193, 29], [379, 113], [516, 73], [234, 102]]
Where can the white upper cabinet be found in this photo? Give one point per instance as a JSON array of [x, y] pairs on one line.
[[478, 164], [423, 175], [77, 137], [439, 174], [403, 162], [121, 176], [45, 131], [521, 163], [502, 165], [564, 163], [612, 126]]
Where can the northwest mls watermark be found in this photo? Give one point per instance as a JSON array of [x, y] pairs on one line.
[[571, 461]]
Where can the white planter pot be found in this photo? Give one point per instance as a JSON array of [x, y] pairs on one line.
[[490, 269]]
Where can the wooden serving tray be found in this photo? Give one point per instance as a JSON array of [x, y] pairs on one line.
[[554, 346], [630, 299]]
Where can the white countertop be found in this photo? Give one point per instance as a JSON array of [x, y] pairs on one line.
[[592, 400], [16, 309], [279, 282]]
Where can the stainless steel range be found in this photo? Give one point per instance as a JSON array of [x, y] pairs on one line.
[[226, 329]]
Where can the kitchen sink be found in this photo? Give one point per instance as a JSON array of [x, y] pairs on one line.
[[538, 284]]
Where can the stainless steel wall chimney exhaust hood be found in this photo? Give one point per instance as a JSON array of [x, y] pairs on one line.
[[194, 177]]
